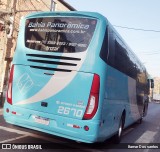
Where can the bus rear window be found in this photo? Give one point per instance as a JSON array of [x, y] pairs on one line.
[[59, 34]]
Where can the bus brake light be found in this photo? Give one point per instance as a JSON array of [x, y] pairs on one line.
[[9, 91], [93, 98]]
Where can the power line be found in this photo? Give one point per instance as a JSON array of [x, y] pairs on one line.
[[157, 51], [151, 53], [137, 29], [144, 30]]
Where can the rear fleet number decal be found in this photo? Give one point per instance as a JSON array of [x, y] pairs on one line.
[[75, 110], [70, 111]]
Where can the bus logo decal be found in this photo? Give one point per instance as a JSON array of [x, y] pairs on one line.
[[24, 83]]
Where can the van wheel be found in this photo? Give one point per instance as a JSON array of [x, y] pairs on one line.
[[118, 136]]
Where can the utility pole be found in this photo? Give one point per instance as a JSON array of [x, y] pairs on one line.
[[10, 32], [52, 8]]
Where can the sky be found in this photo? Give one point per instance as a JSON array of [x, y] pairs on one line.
[[136, 14]]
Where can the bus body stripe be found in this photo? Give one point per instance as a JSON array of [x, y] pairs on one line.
[[57, 83]]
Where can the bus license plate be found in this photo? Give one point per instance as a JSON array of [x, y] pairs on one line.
[[41, 120]]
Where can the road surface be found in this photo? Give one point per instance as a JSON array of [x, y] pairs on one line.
[[144, 135]]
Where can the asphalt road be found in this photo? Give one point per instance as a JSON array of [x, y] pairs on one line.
[[144, 135]]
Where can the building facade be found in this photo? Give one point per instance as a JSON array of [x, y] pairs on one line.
[[11, 11], [156, 85]]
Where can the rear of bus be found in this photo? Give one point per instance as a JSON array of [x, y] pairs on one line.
[[55, 79]]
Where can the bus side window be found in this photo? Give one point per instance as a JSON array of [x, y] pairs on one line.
[[111, 40], [104, 49], [123, 61], [121, 57]]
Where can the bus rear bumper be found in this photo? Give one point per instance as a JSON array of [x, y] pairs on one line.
[[80, 130]]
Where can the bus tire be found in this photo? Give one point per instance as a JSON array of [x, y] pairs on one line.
[[140, 120], [118, 136]]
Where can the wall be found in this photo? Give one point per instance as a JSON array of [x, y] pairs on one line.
[[11, 12], [156, 85]]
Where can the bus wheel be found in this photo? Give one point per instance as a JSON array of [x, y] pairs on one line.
[[140, 120], [118, 136]]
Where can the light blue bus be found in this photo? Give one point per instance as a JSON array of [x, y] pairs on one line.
[[73, 76]]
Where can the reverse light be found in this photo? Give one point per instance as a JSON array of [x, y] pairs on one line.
[[93, 98], [9, 91]]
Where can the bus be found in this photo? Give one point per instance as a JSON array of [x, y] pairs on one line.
[[73, 76]]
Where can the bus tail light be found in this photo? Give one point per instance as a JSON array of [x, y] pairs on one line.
[[93, 99], [9, 91]]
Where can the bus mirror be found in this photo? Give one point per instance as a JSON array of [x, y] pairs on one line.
[[152, 83]]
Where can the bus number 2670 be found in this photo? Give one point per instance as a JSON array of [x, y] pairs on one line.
[[70, 111]]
